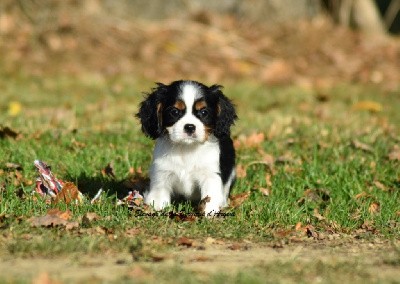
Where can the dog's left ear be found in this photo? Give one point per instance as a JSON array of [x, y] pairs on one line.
[[226, 114], [150, 112]]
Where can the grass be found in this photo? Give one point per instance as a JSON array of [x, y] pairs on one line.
[[79, 125]]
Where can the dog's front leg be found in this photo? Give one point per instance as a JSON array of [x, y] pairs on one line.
[[212, 187], [159, 195]]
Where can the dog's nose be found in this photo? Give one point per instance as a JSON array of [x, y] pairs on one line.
[[189, 128]]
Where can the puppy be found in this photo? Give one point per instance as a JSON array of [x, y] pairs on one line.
[[194, 155]]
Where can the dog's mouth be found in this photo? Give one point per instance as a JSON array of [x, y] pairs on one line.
[[185, 138]]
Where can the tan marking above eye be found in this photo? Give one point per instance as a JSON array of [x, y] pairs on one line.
[[180, 105], [200, 105]]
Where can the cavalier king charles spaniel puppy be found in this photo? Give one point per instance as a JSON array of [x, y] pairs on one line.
[[194, 157]]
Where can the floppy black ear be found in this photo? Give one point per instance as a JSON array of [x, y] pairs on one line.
[[150, 112], [226, 114]]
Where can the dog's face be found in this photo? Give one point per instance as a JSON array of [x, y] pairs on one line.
[[187, 111]]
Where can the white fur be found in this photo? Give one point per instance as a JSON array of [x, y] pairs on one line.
[[176, 132], [180, 168]]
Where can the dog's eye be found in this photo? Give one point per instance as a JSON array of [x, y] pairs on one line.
[[203, 112], [174, 112]]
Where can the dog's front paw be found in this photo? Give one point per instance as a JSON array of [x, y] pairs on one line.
[[157, 201], [212, 209]]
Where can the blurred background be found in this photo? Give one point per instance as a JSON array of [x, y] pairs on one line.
[[309, 43]]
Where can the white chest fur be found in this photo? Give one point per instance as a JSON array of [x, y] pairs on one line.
[[182, 167]]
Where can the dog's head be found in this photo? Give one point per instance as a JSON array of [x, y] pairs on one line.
[[186, 111]]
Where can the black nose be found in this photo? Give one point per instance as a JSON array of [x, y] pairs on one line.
[[189, 128]]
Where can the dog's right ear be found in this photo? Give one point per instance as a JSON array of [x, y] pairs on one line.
[[150, 112]]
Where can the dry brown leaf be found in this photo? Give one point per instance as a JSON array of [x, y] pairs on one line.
[[241, 171], [7, 132], [299, 226], [202, 204], [137, 273], [265, 191], [362, 146], [157, 258], [89, 218], [53, 218], [237, 246], [362, 195], [68, 194], [368, 106], [71, 225], [374, 208], [44, 278], [132, 232], [13, 166], [310, 231], [380, 185], [200, 258], [184, 241], [237, 199], [251, 141], [317, 215], [65, 215], [394, 154], [109, 170], [268, 181]]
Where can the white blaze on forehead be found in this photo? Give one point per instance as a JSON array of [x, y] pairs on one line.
[[189, 94]]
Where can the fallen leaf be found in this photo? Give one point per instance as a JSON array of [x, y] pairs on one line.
[[265, 191], [53, 218], [310, 231], [362, 146], [157, 258], [132, 232], [68, 194], [237, 246], [368, 106], [241, 171], [237, 199], [317, 215], [6, 132], [314, 195], [184, 241], [89, 218], [202, 204], [65, 215], [250, 141], [394, 154], [362, 195], [268, 181], [137, 273], [380, 185], [77, 144], [200, 258], [44, 278], [108, 171], [374, 208], [71, 225], [13, 166]]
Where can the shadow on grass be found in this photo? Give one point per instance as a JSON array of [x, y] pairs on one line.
[[89, 185]]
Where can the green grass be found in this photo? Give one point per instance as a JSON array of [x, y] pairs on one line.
[[79, 125]]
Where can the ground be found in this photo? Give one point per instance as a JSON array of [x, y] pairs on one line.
[[317, 141], [312, 262]]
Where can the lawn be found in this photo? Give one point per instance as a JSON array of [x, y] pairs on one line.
[[319, 174]]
